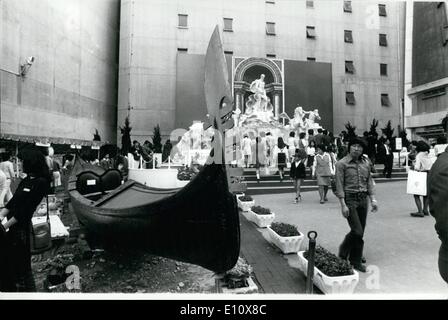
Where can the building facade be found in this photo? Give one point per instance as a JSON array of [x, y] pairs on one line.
[[59, 69], [426, 74], [361, 44]]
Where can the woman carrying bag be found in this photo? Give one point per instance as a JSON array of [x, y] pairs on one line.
[[423, 163], [19, 211]]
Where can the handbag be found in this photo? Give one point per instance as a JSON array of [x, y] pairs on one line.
[[40, 235], [416, 183]]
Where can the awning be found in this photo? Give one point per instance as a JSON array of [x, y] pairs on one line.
[[51, 140]]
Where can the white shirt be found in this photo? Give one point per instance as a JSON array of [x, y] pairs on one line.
[[7, 168], [423, 162]]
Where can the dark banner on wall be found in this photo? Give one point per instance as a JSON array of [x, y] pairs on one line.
[[306, 83], [309, 84]]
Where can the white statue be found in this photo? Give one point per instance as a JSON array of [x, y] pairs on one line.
[[311, 121], [196, 130], [257, 87], [236, 116]]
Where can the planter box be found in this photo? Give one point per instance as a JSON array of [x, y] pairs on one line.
[[252, 288], [329, 285], [286, 244], [245, 205], [261, 220]]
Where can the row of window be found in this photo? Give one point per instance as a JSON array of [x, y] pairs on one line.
[[350, 68], [350, 99], [347, 7], [270, 30]]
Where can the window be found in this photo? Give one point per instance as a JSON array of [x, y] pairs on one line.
[[311, 58], [228, 24], [271, 55], [182, 50], [310, 4], [385, 100], [382, 10], [441, 3], [347, 6], [310, 32], [349, 67], [445, 35], [383, 69], [383, 40], [270, 28], [348, 36], [228, 52], [350, 98], [183, 20], [270, 1]]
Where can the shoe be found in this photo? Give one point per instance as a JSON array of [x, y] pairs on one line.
[[417, 214], [325, 199], [363, 260], [300, 198], [322, 201], [360, 267], [426, 213], [296, 200]]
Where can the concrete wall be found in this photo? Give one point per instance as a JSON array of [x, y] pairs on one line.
[[71, 88], [150, 38]]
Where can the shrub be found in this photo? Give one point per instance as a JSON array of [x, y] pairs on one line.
[[238, 275], [260, 210], [185, 173], [285, 229], [330, 264], [246, 198]]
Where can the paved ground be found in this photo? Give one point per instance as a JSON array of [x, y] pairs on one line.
[[401, 251]]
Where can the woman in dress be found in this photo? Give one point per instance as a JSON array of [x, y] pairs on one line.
[[19, 212], [423, 163], [281, 151], [291, 145], [323, 170], [297, 172]]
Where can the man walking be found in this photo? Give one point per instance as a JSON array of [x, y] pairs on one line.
[[354, 185]]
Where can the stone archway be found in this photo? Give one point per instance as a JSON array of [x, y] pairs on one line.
[[273, 69]]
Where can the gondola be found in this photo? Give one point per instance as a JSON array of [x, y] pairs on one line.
[[198, 223]]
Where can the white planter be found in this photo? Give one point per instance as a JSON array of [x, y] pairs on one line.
[[261, 220], [330, 285], [286, 244], [182, 183], [252, 288], [245, 205]]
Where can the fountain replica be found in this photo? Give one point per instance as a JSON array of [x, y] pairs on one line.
[[258, 118]]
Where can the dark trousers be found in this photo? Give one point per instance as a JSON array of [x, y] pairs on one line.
[[443, 261], [20, 259], [388, 163], [353, 243]]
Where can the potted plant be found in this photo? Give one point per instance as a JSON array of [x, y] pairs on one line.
[[285, 236], [261, 216], [237, 280], [245, 202], [184, 175], [331, 273]]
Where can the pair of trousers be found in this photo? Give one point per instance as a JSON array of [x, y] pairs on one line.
[[353, 243], [443, 261], [388, 164]]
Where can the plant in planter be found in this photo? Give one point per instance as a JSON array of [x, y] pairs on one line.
[[245, 202], [238, 279], [331, 273], [262, 217], [285, 236]]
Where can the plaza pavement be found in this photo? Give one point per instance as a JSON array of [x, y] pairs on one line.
[[401, 251]]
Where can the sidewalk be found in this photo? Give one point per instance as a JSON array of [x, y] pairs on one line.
[[401, 251]]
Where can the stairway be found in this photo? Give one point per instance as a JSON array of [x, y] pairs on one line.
[[270, 184]]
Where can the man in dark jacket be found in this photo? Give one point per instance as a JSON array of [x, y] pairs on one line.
[[438, 205]]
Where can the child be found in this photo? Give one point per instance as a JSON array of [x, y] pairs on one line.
[[297, 172]]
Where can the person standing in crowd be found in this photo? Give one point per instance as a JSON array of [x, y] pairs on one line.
[[280, 152], [326, 139], [438, 195], [19, 212], [311, 153], [322, 170], [319, 138], [253, 151], [388, 157], [303, 143], [246, 150], [291, 145], [270, 139], [311, 136], [7, 168], [423, 163], [106, 162], [260, 155], [297, 172], [354, 184]]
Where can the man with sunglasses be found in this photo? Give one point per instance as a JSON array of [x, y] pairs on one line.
[[354, 186]]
